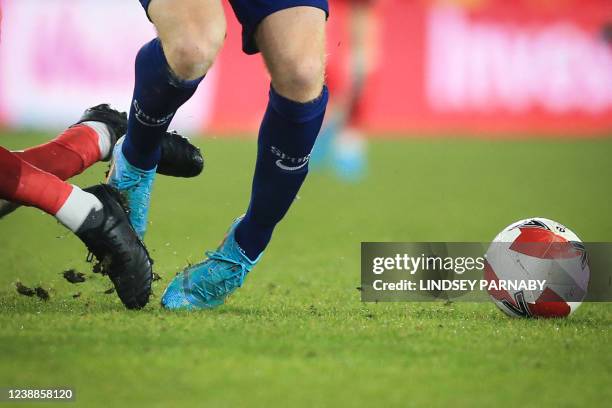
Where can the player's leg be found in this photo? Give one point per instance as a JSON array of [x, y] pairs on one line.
[[168, 70], [94, 215], [348, 145], [25, 184], [92, 139], [59, 157], [292, 42], [74, 150], [77, 148]]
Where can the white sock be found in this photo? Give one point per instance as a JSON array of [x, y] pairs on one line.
[[76, 208], [104, 139]]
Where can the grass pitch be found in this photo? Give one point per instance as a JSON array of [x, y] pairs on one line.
[[297, 334]]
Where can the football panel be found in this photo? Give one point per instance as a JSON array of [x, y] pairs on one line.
[[549, 305]]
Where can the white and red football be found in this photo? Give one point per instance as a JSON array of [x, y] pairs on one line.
[[542, 251]]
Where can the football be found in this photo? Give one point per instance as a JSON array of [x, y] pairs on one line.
[[540, 253]]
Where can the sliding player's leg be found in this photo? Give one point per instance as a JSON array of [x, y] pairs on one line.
[[92, 139], [292, 41], [25, 184], [74, 150], [168, 70], [93, 214]]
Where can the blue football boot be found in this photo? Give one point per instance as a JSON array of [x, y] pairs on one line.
[[207, 284], [135, 186]]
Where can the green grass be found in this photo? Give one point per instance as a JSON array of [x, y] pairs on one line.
[[297, 333]]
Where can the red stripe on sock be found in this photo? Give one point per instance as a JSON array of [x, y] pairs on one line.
[[25, 184], [67, 155]]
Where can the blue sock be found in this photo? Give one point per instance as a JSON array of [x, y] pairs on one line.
[[158, 93], [286, 137]]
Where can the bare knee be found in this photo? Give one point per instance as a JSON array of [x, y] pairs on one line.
[[191, 32], [190, 55], [299, 78], [292, 42]]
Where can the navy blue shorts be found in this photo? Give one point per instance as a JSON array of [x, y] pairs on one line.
[[251, 12]]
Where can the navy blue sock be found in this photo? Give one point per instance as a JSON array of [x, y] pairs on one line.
[[158, 93], [286, 137]]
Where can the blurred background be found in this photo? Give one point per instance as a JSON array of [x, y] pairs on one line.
[[456, 118], [397, 67]]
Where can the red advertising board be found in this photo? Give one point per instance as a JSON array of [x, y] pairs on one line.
[[453, 67], [446, 67]]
